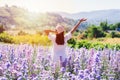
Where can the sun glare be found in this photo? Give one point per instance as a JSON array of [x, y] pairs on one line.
[[42, 6], [70, 6], [49, 6]]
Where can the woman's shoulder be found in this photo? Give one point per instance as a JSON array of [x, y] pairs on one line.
[[51, 36], [68, 36]]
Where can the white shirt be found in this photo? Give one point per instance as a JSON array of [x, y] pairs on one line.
[[59, 50]]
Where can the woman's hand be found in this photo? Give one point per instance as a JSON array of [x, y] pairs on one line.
[[77, 25], [82, 20], [47, 32]]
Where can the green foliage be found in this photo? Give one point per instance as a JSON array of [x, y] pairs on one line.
[[112, 27], [4, 37], [89, 45], [75, 33], [96, 45], [113, 35], [94, 32], [22, 33], [114, 47], [103, 30], [72, 42], [83, 43], [104, 26], [117, 25]]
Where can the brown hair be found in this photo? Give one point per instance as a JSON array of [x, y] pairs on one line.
[[60, 38]]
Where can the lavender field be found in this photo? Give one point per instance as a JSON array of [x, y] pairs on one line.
[[27, 62]]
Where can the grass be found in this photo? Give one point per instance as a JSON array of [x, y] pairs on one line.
[[107, 40], [35, 38], [32, 39]]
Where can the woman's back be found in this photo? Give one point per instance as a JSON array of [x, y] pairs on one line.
[[59, 50], [59, 40]]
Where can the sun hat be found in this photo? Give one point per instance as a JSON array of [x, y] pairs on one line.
[[59, 28]]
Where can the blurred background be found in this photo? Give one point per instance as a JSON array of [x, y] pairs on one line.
[[24, 21]]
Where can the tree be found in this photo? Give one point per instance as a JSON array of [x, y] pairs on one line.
[[2, 29], [104, 26], [112, 34], [117, 25], [94, 32], [112, 27]]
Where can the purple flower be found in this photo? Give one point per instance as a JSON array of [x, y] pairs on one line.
[[1, 71], [36, 78], [21, 78], [0, 56], [33, 75], [62, 70], [17, 61], [3, 78], [76, 70], [98, 77], [81, 76], [8, 64], [12, 56], [96, 59], [87, 71]]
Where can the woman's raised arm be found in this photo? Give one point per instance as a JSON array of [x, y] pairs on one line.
[[48, 31], [77, 25]]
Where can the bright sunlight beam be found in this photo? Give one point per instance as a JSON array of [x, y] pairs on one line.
[[41, 5]]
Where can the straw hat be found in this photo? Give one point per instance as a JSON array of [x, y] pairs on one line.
[[59, 28]]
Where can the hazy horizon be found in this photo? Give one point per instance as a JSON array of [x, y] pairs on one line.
[[71, 6]]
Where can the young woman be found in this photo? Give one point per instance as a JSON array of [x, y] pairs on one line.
[[59, 41]]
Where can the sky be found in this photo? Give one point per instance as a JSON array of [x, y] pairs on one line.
[[69, 6]]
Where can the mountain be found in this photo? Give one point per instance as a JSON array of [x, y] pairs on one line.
[[10, 16], [19, 18], [95, 17]]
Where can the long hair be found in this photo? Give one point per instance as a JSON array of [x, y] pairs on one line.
[[60, 38]]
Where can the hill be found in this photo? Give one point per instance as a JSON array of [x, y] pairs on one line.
[[17, 18], [95, 17]]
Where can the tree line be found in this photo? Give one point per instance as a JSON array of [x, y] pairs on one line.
[[102, 30]]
